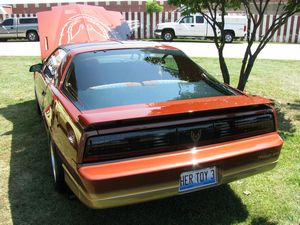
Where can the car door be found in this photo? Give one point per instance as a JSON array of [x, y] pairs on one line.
[[24, 25], [185, 26], [41, 81], [8, 29], [209, 30], [64, 132], [200, 26], [47, 77]]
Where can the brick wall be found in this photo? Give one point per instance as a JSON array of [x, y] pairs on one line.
[[121, 6]]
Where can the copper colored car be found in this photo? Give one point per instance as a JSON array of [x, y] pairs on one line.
[[135, 121]]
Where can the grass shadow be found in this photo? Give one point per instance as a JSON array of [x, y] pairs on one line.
[[295, 107], [33, 199], [262, 221], [286, 127]]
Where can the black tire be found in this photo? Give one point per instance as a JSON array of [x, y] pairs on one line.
[[32, 36], [3, 39], [56, 168], [228, 37], [168, 35]]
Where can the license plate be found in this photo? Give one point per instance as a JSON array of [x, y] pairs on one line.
[[198, 178]]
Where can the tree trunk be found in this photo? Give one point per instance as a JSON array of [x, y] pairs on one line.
[[223, 67], [244, 75]]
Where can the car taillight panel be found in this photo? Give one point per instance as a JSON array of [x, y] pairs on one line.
[[178, 137]]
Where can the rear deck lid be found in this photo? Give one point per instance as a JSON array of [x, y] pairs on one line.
[[71, 24]]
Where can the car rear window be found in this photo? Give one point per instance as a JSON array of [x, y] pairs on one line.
[[28, 20], [133, 76], [199, 19]]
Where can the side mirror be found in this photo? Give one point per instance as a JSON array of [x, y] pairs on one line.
[[36, 68]]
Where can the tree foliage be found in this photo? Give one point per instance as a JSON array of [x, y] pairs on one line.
[[210, 9], [153, 6], [214, 12], [284, 10]]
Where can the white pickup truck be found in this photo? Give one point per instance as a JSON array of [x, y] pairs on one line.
[[195, 26]]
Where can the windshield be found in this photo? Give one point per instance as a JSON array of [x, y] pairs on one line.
[[134, 76]]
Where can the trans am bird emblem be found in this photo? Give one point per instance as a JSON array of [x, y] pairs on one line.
[[196, 135], [95, 28]]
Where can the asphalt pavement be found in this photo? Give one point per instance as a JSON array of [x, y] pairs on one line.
[[193, 49]]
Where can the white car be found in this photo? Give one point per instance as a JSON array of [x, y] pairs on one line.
[[195, 26]]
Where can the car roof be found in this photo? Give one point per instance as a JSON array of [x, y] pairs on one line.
[[105, 45]]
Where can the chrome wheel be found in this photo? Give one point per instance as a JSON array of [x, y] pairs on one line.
[[168, 35], [228, 38], [32, 36], [53, 163], [56, 168]]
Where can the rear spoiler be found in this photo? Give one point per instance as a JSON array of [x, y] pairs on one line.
[[120, 114]]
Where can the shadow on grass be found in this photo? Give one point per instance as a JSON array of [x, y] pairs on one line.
[[295, 106], [34, 201], [262, 221], [285, 126]]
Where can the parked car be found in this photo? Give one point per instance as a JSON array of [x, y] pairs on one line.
[[196, 26], [16, 28], [132, 121]]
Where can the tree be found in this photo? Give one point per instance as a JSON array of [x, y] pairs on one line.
[[210, 9], [214, 12], [284, 10], [153, 6]]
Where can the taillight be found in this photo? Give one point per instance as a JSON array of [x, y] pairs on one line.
[[177, 137], [255, 124], [245, 28], [129, 144]]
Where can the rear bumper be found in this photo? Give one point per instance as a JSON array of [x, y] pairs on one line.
[[154, 177]]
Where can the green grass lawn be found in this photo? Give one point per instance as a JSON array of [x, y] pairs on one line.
[[27, 195]]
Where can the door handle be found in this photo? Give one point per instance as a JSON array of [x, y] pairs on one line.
[[192, 25], [11, 28], [43, 93]]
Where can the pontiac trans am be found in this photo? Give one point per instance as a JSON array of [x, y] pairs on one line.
[[132, 121]]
